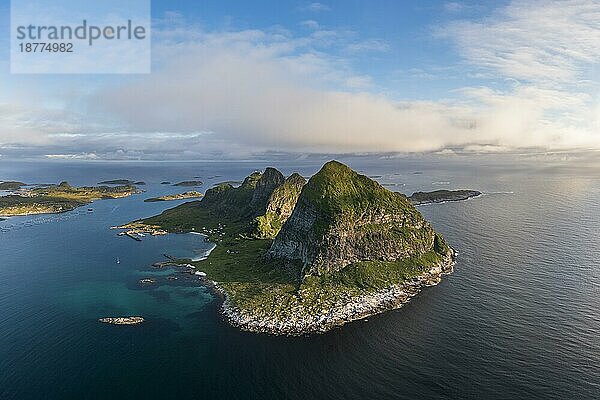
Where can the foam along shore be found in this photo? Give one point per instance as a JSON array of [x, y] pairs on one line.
[[351, 308], [122, 320]]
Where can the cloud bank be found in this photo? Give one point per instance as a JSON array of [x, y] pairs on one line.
[[230, 93]]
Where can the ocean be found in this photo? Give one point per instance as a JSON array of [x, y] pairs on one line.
[[518, 318]]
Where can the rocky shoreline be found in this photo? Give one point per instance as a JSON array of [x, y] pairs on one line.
[[355, 308]]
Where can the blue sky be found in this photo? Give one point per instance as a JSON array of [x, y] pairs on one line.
[[236, 78], [404, 28]]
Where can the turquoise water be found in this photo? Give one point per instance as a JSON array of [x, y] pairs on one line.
[[517, 319]]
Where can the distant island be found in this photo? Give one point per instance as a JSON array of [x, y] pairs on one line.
[[179, 196], [116, 182], [296, 257], [58, 198], [440, 196], [189, 183], [11, 185]]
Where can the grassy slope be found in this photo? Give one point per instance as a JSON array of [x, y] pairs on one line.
[[59, 198], [339, 192]]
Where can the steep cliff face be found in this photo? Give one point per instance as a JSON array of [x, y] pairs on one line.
[[227, 201], [279, 206], [268, 182], [247, 200], [342, 217], [283, 199]]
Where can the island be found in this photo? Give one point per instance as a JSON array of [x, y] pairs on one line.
[[58, 198], [179, 196], [11, 185], [122, 320], [440, 196], [116, 182], [189, 183], [294, 257]]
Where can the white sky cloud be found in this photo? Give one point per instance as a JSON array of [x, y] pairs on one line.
[[316, 7], [310, 24]]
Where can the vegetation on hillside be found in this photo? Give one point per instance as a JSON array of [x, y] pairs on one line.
[[10, 185], [59, 198], [266, 286]]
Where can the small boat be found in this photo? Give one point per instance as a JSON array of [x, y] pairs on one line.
[[90, 210], [118, 260]]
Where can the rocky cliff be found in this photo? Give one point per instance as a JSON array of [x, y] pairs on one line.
[[227, 201], [268, 182], [279, 206], [342, 217]]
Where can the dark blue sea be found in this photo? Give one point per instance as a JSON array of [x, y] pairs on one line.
[[518, 319]]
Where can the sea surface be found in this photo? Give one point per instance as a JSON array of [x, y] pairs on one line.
[[518, 319]]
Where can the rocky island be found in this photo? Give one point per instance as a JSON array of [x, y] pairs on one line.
[[296, 257], [440, 196], [11, 185], [116, 182], [122, 320], [179, 196], [58, 198]]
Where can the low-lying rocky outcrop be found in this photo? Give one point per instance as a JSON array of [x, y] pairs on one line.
[[178, 196], [11, 185], [122, 320], [440, 196]]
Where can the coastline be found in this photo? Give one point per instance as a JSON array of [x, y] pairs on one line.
[[356, 308]]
